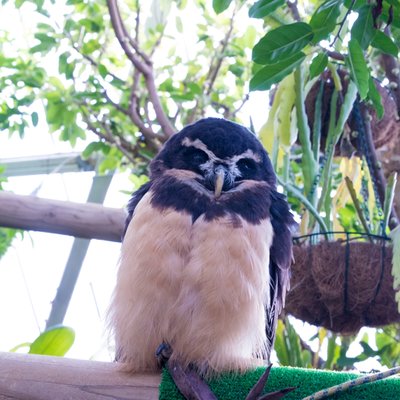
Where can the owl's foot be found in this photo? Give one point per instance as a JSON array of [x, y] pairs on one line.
[[193, 387], [255, 392], [189, 383], [163, 354]]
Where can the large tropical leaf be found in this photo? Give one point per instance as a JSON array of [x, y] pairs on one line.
[[274, 73], [358, 68], [363, 29], [385, 44], [282, 43], [323, 21], [262, 8]]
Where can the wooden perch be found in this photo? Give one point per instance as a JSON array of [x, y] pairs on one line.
[[86, 220], [28, 376]]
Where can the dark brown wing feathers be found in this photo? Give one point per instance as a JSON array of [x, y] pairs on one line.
[[280, 259]]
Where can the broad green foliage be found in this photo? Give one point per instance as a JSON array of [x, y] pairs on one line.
[[55, 341], [262, 8], [332, 36], [96, 90], [282, 43], [329, 22]]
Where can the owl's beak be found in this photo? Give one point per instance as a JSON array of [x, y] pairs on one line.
[[219, 181]]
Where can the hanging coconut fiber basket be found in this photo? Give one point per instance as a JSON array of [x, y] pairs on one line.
[[343, 281]]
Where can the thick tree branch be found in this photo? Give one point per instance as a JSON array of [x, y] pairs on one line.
[[142, 63]]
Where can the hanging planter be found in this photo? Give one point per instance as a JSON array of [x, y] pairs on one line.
[[385, 130], [343, 284]]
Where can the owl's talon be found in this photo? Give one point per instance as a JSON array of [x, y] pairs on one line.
[[163, 353], [189, 382], [257, 389]]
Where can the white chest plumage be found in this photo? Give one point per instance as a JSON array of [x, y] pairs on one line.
[[202, 287]]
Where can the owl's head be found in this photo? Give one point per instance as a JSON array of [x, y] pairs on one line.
[[221, 153]]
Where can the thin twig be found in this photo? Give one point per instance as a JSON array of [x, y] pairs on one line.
[[108, 138], [244, 101], [342, 22], [292, 6], [91, 60], [114, 104], [213, 73]]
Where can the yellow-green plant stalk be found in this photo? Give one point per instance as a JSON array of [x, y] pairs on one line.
[[309, 163], [395, 236], [389, 197]]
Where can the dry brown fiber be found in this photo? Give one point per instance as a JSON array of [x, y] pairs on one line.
[[323, 296]]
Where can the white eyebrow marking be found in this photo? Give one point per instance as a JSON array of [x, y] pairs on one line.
[[247, 154], [198, 144]]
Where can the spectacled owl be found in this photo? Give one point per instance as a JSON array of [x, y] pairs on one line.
[[205, 259]]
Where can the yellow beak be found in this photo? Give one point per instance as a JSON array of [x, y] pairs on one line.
[[219, 182]]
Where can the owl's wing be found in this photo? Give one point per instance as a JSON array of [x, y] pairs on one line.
[[133, 202], [281, 254]]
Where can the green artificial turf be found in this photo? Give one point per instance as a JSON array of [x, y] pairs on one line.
[[308, 381]]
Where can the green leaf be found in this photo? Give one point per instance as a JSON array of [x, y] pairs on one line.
[[262, 8], [35, 118], [384, 43], [90, 46], [358, 68], [323, 21], [103, 71], [282, 43], [66, 66], [375, 97], [46, 43], [274, 73], [318, 65], [90, 25], [363, 28], [95, 146], [54, 342], [221, 5]]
